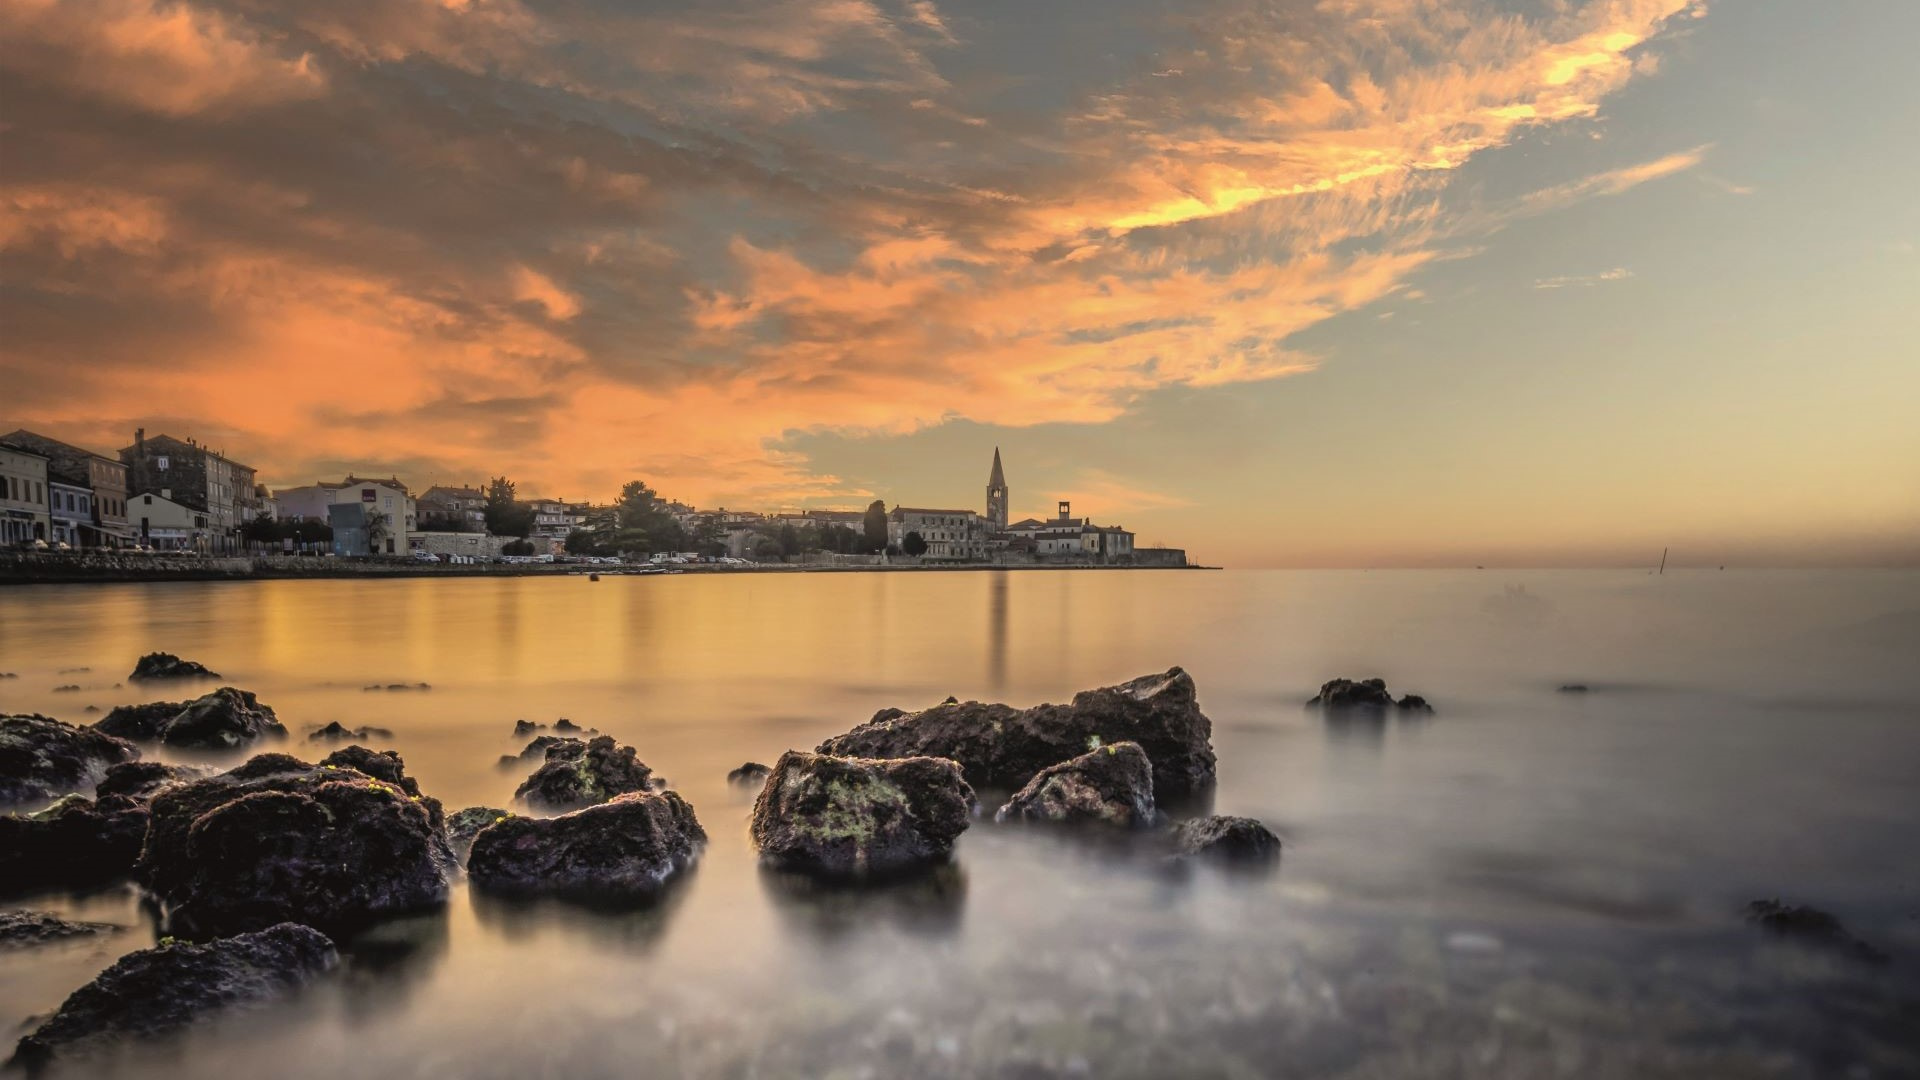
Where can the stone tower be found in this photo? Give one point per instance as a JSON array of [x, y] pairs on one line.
[[996, 497]]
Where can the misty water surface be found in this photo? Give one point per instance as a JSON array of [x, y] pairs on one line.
[[1528, 883]]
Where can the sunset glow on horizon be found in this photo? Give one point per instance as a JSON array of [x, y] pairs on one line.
[[1331, 283]]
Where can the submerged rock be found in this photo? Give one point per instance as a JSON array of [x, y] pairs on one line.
[[1227, 839], [1112, 785], [564, 724], [537, 749], [524, 728], [145, 779], [620, 850], [165, 665], [856, 816], [338, 732], [1001, 746], [1574, 688], [1347, 695], [222, 720], [396, 687], [752, 774], [278, 839], [163, 989], [1812, 926], [20, 929], [464, 825], [577, 774], [43, 758], [74, 843]]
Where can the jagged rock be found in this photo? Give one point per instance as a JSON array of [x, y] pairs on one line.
[[623, 849], [858, 817], [1347, 695], [166, 988], [1112, 785], [69, 688], [537, 749], [338, 732], [752, 774], [74, 843], [145, 779], [164, 665], [1227, 839], [566, 725], [278, 839], [222, 720], [577, 774], [19, 929], [1001, 746], [464, 825], [524, 728], [1812, 926], [43, 758]]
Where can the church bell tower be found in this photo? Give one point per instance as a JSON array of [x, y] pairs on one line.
[[997, 497]]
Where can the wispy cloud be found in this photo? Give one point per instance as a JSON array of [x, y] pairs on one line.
[[1618, 273]]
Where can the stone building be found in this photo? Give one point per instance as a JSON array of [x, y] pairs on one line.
[[1069, 538], [464, 507], [950, 534], [23, 496], [105, 481], [194, 476], [996, 497]]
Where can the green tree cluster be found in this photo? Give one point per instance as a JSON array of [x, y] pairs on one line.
[[505, 515]]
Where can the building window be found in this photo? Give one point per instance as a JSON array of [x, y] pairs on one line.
[[160, 463]]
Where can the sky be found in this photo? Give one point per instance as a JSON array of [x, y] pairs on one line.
[[1342, 283]]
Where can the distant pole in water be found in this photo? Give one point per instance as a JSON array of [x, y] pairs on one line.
[[1663, 560]]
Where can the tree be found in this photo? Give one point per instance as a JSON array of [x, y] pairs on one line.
[[505, 516], [914, 544], [789, 542], [583, 542], [261, 530], [876, 525], [379, 527]]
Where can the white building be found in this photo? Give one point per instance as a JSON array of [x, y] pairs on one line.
[[167, 525], [70, 508], [398, 515], [1069, 537]]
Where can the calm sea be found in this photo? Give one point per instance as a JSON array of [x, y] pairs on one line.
[[1530, 883]]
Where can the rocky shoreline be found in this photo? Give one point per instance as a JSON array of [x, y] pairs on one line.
[[253, 873]]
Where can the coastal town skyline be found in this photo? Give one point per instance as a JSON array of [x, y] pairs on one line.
[[1563, 283]]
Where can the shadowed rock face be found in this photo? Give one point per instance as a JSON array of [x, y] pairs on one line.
[[859, 817], [1001, 746], [624, 849], [577, 774], [278, 839], [1112, 786], [222, 720], [752, 774], [1347, 695], [74, 843], [338, 732], [164, 665], [1227, 839], [42, 758], [160, 990]]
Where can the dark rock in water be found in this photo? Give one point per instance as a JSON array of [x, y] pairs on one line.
[[464, 825], [145, 779], [1112, 785], [1227, 839], [396, 687], [19, 929], [8, 675], [222, 720], [1001, 746], [859, 817], [277, 839], [163, 665], [624, 849], [338, 732], [91, 708], [568, 726], [166, 988], [1574, 688], [523, 728], [42, 758], [1812, 926], [74, 843], [1346, 695], [69, 688], [752, 774], [577, 774], [537, 749]]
